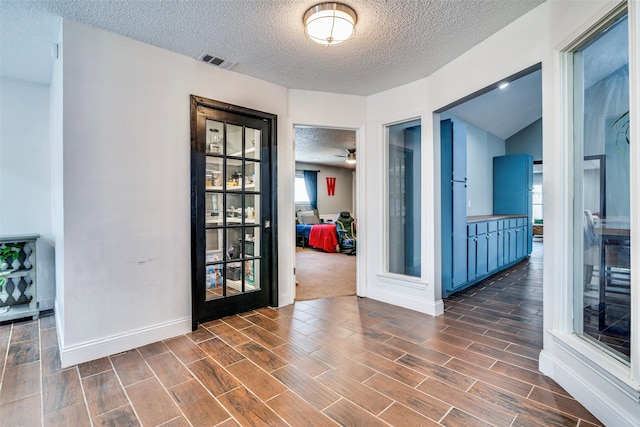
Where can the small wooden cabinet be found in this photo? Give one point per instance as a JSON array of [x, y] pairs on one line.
[[19, 286]]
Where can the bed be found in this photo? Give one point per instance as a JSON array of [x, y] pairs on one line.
[[324, 236], [310, 231]]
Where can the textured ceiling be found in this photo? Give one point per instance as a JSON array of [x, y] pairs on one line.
[[324, 146], [396, 42]]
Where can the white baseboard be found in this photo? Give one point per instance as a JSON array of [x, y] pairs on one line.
[[609, 404], [45, 304], [433, 308], [91, 350]]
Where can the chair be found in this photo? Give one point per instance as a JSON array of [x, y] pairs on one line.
[[346, 228], [591, 248]]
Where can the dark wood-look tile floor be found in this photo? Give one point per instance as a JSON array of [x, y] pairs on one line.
[[342, 361]]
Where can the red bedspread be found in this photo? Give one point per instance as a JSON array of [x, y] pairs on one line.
[[324, 236]]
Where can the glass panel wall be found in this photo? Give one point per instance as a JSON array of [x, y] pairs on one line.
[[403, 199], [602, 290]]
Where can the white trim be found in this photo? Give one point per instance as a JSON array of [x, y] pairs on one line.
[[634, 158], [95, 349], [576, 366], [421, 305], [360, 185], [400, 280]]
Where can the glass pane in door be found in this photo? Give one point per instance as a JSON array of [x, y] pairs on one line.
[[232, 210], [215, 137], [252, 176], [234, 141], [214, 173], [252, 145]]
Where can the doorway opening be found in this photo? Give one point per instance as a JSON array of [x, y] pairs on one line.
[[325, 212], [491, 190]]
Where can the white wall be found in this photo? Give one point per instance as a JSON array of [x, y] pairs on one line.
[[342, 200], [56, 107], [25, 174], [482, 147], [127, 279], [531, 39]]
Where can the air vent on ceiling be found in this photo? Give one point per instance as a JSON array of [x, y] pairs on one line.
[[217, 61]]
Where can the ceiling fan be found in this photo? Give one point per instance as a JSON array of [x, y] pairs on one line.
[[350, 156]]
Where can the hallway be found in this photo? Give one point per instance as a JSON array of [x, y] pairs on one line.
[[346, 361]]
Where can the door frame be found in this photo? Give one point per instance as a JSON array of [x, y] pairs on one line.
[[196, 102], [359, 195]]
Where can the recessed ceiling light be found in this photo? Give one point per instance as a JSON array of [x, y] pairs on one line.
[[503, 85]]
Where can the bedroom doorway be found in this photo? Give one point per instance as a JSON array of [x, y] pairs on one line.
[[325, 212]]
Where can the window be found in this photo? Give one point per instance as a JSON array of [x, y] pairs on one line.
[[403, 198], [537, 203], [301, 195], [602, 197]]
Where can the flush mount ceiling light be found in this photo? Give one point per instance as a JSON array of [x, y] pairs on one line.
[[330, 23]]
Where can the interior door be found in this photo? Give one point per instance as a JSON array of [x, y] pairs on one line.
[[232, 210]]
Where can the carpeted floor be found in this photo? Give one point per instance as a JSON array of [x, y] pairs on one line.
[[324, 275]]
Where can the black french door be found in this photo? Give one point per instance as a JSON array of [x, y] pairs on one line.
[[233, 246]]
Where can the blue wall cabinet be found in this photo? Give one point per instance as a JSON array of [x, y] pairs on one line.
[[513, 191], [459, 236], [453, 149]]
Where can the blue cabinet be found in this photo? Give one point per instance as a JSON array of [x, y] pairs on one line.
[[459, 235], [481, 249], [454, 201], [500, 243], [475, 249], [512, 236], [513, 193], [492, 245], [472, 240]]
